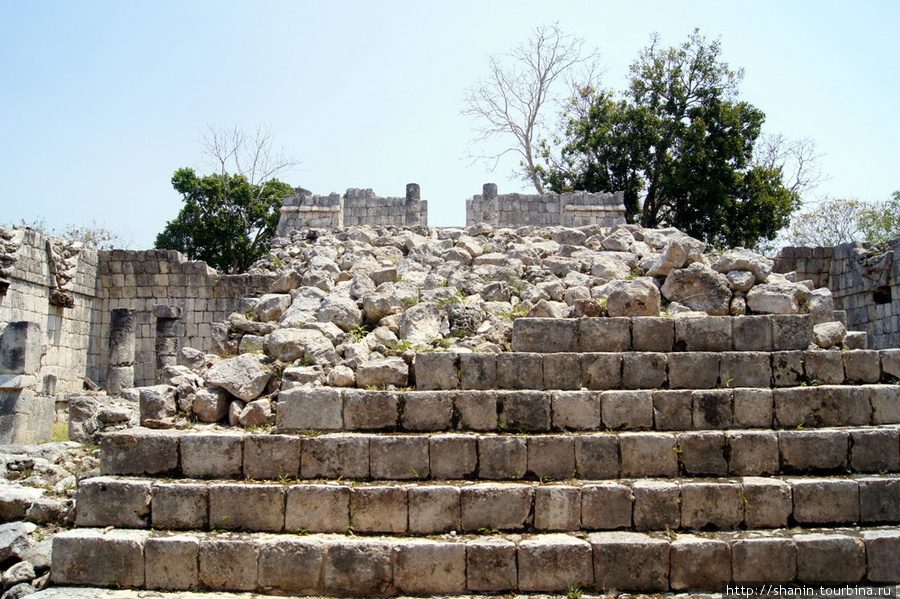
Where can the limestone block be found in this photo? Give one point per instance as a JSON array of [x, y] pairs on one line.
[[627, 409], [20, 348], [379, 509], [107, 501], [752, 408], [890, 364], [768, 502], [597, 456], [745, 369], [251, 507], [342, 455], [656, 505], [882, 555], [271, 457], [752, 452], [830, 558], [382, 372], [520, 371], [602, 370], [433, 509], [172, 562], [562, 371], [551, 456], [491, 565], [698, 563], [291, 565], [524, 411], [245, 376], [554, 562], [652, 334], [575, 410], [705, 333], [823, 367], [763, 560], [702, 453], [699, 288], [157, 405], [228, 563], [428, 567], [557, 508], [453, 456], [399, 457], [787, 368], [856, 340], [358, 567], [93, 557], [606, 506], [545, 335], [822, 406], [180, 506], [885, 401], [370, 410], [477, 410], [478, 371], [875, 450], [426, 410], [879, 499], [500, 506], [317, 508], [862, 365], [693, 370], [672, 410], [647, 559], [648, 454], [712, 409], [604, 334], [643, 370], [308, 408], [752, 333], [502, 457], [437, 370], [717, 505], [823, 501], [791, 331], [138, 451], [212, 455], [811, 451]]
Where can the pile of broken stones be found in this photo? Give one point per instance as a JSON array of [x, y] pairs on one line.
[[37, 486], [352, 307]]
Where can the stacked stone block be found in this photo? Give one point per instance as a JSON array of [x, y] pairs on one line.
[[571, 209], [355, 207]]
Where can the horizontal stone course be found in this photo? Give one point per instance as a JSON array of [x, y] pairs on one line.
[[429, 508], [380, 566]]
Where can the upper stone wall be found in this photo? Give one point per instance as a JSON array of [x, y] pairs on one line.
[[573, 209]]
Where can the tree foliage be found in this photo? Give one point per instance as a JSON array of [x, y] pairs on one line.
[[229, 218], [510, 101], [843, 220], [680, 145], [95, 235]]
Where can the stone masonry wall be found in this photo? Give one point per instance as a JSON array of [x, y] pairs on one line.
[[573, 209], [355, 207], [864, 281]]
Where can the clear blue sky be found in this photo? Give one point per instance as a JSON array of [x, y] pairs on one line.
[[101, 101]]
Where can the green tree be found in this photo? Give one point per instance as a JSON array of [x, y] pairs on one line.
[[226, 221], [881, 222], [843, 220], [229, 217], [680, 145]]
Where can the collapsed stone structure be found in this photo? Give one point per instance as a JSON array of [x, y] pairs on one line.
[[356, 207], [572, 209]]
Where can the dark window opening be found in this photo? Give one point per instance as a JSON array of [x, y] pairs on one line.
[[882, 295]]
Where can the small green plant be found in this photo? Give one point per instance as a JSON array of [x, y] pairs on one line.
[[409, 301], [302, 532], [669, 532], [574, 591], [501, 425], [745, 500], [415, 473], [488, 530], [359, 333]]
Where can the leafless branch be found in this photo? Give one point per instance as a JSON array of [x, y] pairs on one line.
[[799, 160]]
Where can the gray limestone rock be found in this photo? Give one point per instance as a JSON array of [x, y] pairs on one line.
[[699, 288], [245, 376]]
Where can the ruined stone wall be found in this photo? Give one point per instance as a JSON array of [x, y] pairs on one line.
[[355, 207], [575, 209], [864, 281]]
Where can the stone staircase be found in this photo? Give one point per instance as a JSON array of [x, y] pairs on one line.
[[611, 454]]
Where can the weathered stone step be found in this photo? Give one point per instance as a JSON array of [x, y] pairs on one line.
[[491, 456], [770, 332], [330, 409], [465, 507], [653, 370], [382, 566]]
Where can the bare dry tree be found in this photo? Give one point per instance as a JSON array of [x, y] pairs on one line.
[[799, 160], [250, 155], [511, 99]]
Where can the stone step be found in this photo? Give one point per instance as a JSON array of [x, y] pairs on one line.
[[466, 507], [330, 409], [492, 456], [382, 566], [770, 332], [653, 370]]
